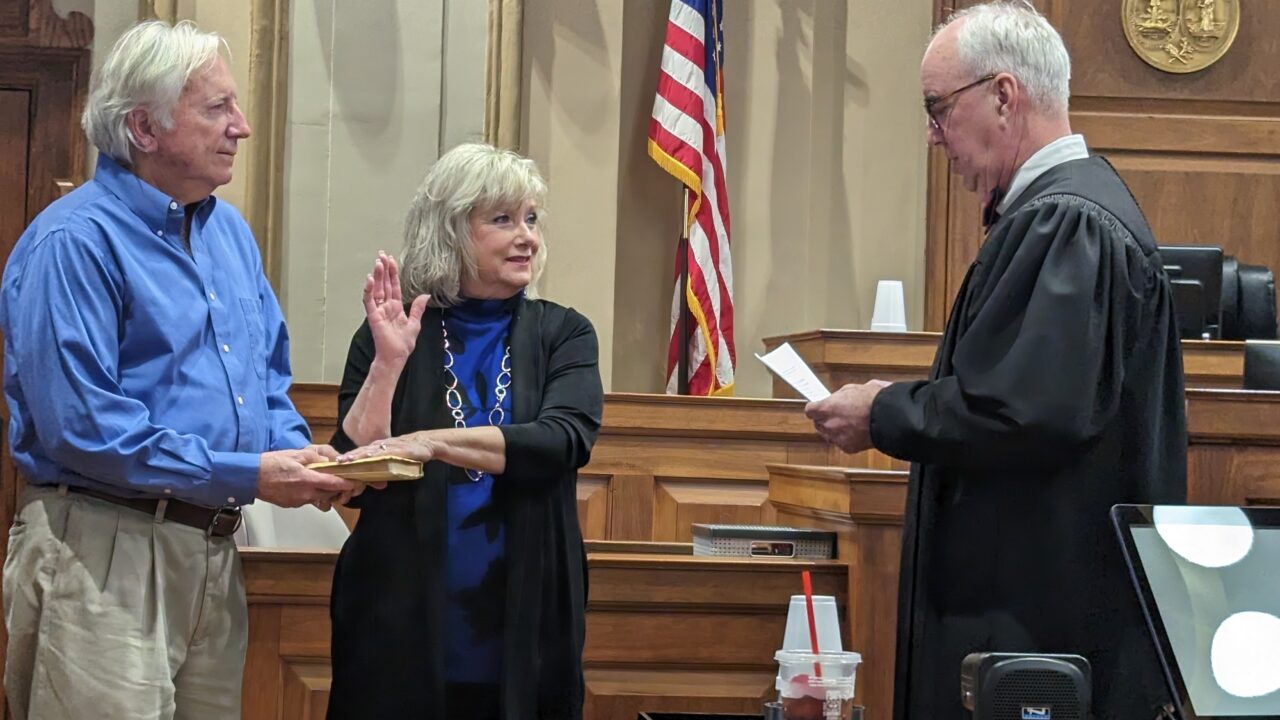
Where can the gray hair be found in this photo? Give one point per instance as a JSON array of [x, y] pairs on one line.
[[437, 230], [1013, 37], [147, 68]]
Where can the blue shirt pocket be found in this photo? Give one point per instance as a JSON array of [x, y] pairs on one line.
[[254, 328]]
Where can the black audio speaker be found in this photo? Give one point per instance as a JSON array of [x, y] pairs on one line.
[[1017, 686]]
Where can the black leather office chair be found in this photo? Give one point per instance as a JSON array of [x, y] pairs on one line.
[[1248, 301]]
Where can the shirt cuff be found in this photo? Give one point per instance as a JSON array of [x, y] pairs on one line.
[[235, 478]]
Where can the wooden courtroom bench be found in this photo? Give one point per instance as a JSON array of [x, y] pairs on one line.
[[839, 357], [666, 631]]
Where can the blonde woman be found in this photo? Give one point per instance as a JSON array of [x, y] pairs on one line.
[[462, 595]]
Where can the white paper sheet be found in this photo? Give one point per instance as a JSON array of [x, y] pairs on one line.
[[788, 365]]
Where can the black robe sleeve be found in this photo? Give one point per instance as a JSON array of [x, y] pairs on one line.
[[1036, 373], [559, 441]]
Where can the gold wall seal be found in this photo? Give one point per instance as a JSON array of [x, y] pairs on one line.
[[1180, 36]]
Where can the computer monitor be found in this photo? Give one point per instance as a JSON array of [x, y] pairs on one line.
[[1262, 364], [1188, 306], [1208, 579], [1203, 265]]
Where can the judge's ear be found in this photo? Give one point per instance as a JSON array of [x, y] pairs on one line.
[[1006, 93], [143, 129]]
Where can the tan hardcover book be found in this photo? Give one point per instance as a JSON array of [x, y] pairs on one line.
[[379, 468]]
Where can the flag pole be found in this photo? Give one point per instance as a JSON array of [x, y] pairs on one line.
[[682, 262]]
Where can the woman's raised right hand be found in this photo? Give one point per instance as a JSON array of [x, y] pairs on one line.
[[395, 332]]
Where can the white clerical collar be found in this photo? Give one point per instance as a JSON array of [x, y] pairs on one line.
[[1064, 149]]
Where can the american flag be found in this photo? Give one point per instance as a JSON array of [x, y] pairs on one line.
[[686, 137]]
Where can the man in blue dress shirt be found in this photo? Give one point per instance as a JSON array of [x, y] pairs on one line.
[[146, 376]]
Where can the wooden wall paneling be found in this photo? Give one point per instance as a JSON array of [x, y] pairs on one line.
[[689, 634], [15, 107], [45, 28], [287, 665], [594, 501], [306, 690], [664, 632], [56, 79], [937, 266], [856, 356], [672, 461], [1233, 453], [672, 456], [808, 453], [631, 499], [1104, 66], [1232, 475], [260, 694], [13, 19], [621, 694], [15, 128], [678, 504], [304, 630], [318, 403]]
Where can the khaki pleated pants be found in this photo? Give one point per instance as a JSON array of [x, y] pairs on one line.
[[114, 615]]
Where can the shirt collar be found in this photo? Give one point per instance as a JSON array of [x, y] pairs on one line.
[[159, 211], [1064, 149]]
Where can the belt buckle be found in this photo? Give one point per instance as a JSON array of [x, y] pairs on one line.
[[221, 518]]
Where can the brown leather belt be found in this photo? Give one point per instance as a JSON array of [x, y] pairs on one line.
[[215, 522]]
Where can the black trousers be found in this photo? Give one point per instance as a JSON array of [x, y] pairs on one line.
[[472, 701]]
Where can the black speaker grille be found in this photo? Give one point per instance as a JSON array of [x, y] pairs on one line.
[[1036, 688]]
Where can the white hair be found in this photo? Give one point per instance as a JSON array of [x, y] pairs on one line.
[[437, 230], [147, 68], [1012, 37]]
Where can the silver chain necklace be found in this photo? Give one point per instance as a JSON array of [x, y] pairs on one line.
[[453, 393]]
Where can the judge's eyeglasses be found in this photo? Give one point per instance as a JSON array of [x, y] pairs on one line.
[[938, 115]]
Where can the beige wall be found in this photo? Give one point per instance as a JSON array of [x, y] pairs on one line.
[[826, 167], [376, 89]]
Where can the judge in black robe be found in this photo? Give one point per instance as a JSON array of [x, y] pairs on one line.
[[1056, 392]]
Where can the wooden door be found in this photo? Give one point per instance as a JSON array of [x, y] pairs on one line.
[[44, 72], [1200, 151], [15, 107]]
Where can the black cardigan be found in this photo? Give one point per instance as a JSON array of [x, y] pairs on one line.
[[388, 587]]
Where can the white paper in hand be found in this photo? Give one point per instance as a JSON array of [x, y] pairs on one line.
[[788, 365]]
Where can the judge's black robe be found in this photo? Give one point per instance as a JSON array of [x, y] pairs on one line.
[[1057, 391], [389, 584]]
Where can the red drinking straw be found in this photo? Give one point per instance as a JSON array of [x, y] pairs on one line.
[[813, 624]]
